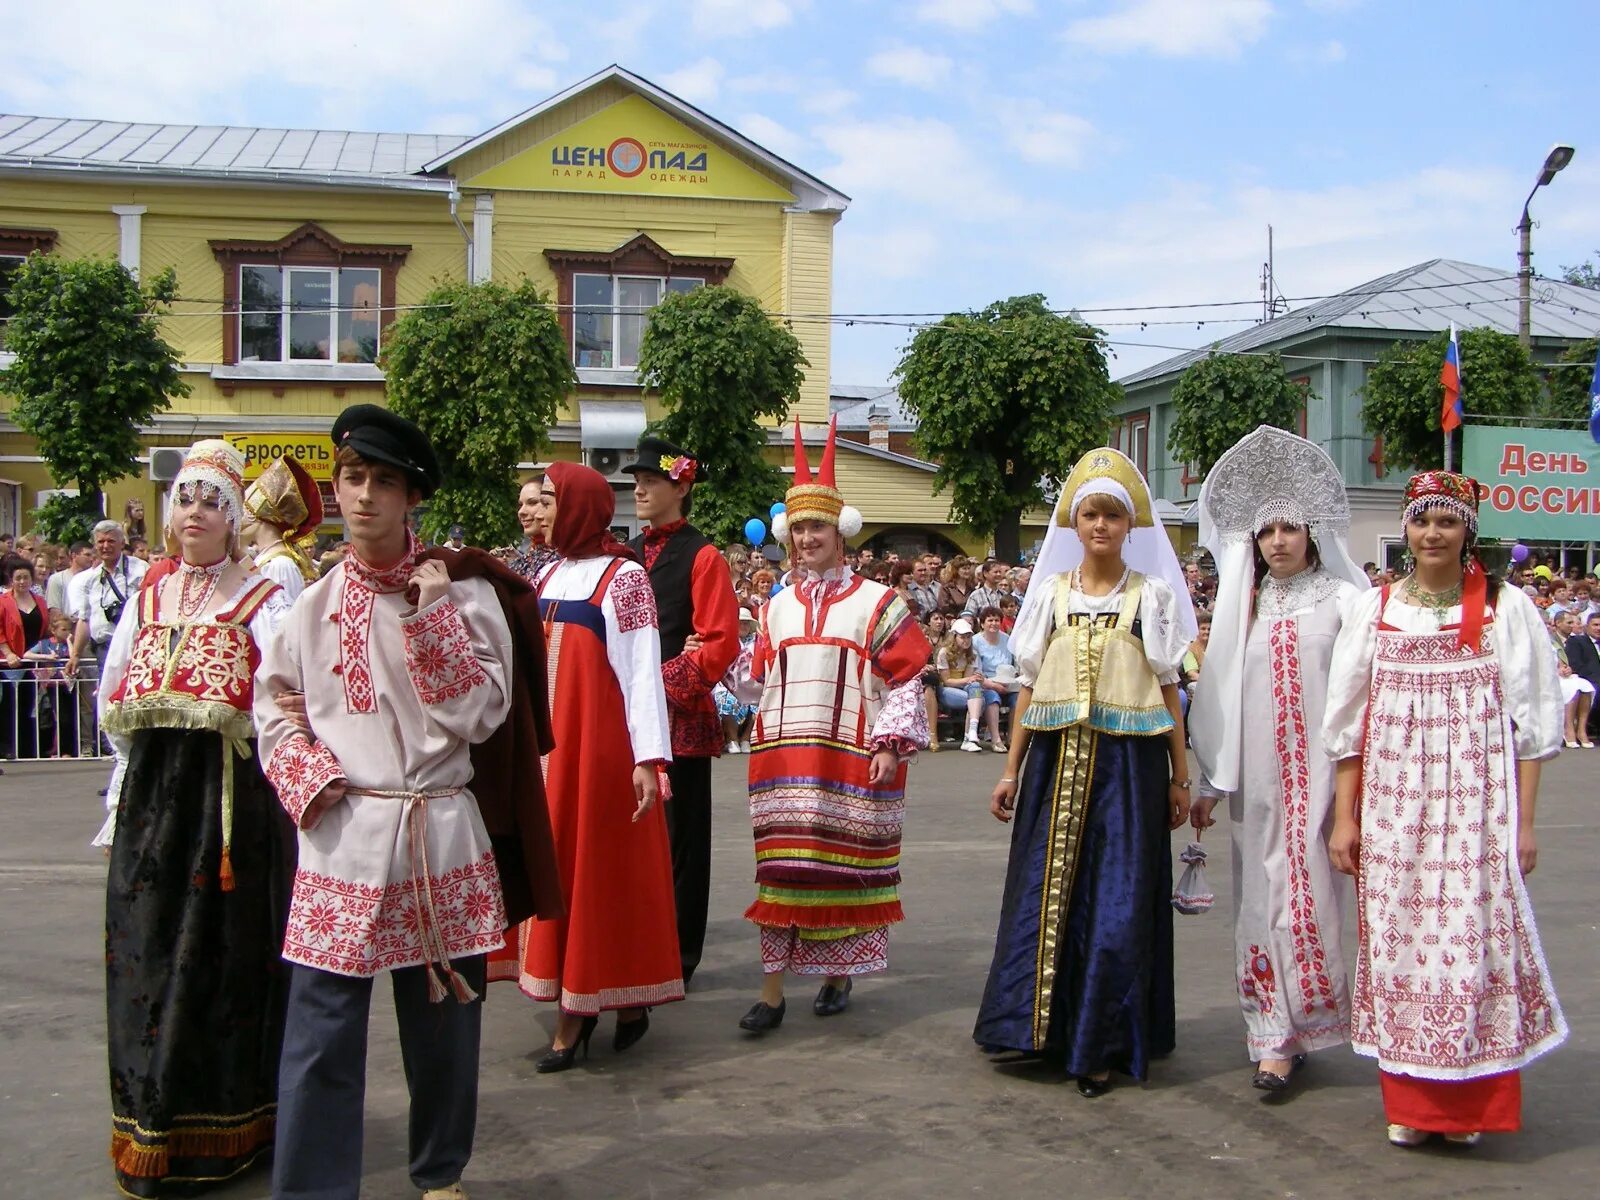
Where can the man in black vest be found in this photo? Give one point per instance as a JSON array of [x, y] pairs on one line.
[[694, 600]]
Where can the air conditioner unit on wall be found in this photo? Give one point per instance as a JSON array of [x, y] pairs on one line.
[[165, 463], [608, 462]]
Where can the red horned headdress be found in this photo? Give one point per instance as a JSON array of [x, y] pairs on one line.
[[819, 499]]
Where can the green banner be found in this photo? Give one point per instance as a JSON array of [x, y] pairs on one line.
[[1541, 484]]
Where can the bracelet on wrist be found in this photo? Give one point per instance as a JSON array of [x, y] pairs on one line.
[[1008, 779], [1182, 783]]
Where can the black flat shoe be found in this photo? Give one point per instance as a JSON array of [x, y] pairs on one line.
[[832, 1000], [763, 1017], [629, 1032], [1093, 1088], [564, 1059], [1271, 1081]]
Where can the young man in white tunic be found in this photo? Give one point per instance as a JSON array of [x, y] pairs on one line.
[[401, 670]]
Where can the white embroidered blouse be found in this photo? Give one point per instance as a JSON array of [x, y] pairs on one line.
[[1530, 686]]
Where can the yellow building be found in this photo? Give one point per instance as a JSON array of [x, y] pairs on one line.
[[295, 248]]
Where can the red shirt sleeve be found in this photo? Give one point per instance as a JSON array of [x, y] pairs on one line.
[[716, 614]]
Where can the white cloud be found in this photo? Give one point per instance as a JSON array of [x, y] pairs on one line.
[[137, 62], [828, 101], [698, 82], [918, 162], [780, 139], [969, 15], [736, 18], [1043, 136], [911, 66], [1175, 28]]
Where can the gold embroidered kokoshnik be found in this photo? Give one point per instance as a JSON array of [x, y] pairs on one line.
[[1069, 805]]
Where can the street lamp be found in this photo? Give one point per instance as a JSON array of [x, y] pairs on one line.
[[1558, 157]]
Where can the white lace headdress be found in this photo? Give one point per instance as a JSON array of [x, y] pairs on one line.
[[1268, 476]]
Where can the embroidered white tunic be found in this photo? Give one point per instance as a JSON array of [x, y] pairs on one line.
[[1288, 902], [1451, 982], [395, 697]]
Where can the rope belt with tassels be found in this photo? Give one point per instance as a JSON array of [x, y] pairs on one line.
[[437, 959]]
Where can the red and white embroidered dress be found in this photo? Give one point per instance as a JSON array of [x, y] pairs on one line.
[[396, 697], [1451, 984], [617, 946]]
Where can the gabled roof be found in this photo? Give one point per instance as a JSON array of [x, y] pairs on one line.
[[1420, 300], [222, 151], [853, 405], [810, 192]]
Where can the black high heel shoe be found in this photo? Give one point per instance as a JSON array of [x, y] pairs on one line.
[[563, 1059], [629, 1032]]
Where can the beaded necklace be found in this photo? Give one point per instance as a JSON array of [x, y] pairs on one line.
[[197, 583]]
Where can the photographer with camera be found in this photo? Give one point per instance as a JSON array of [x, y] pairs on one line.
[[96, 598]]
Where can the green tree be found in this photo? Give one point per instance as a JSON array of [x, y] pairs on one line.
[[1566, 395], [1403, 398], [1006, 400], [91, 370], [483, 370], [1584, 274], [722, 366], [1223, 397]]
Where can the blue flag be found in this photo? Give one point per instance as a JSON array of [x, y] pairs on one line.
[[1594, 399]]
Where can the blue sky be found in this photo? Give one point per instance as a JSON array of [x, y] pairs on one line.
[[1103, 152]]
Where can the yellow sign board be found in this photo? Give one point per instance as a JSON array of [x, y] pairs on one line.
[[314, 451], [633, 148]]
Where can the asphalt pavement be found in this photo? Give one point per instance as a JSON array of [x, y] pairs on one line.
[[889, 1100]]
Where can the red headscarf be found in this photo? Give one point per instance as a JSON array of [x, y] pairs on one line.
[[585, 505]]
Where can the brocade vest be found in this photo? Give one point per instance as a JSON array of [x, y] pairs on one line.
[[191, 675], [1095, 672]]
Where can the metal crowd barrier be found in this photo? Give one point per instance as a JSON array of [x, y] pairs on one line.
[[46, 715]]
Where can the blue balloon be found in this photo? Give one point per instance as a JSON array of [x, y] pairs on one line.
[[755, 531], [779, 507]]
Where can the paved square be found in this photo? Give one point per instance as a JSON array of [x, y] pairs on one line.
[[890, 1100]]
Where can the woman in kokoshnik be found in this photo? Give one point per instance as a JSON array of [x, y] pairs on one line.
[[1274, 515], [1082, 965]]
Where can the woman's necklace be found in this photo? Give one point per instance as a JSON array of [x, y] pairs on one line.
[[196, 586], [1438, 603]]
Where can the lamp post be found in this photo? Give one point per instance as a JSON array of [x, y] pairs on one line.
[[1558, 157]]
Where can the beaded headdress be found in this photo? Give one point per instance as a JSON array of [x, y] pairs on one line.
[[1447, 490], [213, 470]]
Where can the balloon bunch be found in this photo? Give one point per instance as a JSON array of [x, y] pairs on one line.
[[755, 529]]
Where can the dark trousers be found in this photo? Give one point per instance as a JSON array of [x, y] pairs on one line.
[[689, 831], [322, 1080]]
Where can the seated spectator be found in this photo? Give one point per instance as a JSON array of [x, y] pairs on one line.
[[1009, 607], [988, 593], [999, 669], [961, 682]]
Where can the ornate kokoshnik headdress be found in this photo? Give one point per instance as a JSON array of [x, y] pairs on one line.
[[214, 469], [1267, 477]]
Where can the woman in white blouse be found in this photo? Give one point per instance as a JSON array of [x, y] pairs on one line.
[[1443, 701]]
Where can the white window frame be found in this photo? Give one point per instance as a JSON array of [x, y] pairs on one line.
[[618, 311], [286, 311]]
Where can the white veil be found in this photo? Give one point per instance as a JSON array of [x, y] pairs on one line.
[[1269, 475], [1148, 550]]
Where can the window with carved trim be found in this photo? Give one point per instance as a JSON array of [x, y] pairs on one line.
[[604, 297], [308, 297], [15, 246]]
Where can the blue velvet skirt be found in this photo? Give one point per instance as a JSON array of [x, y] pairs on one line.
[[1083, 958]]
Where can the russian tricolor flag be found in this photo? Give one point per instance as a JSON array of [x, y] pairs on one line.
[[1450, 419], [1594, 399]]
